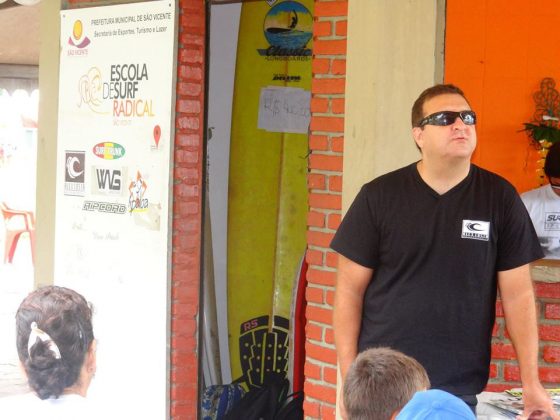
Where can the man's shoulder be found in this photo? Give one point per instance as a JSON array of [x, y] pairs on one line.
[[541, 196], [491, 179], [535, 193], [390, 178]]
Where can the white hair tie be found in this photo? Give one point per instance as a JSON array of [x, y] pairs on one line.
[[37, 333]]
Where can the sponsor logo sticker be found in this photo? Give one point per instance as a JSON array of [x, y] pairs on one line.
[[108, 181], [104, 207], [74, 169], [137, 201], [108, 150], [476, 229], [288, 28]]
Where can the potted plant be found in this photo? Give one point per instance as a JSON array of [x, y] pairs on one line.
[[544, 130]]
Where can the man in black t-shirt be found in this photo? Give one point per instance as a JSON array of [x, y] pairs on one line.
[[423, 251]]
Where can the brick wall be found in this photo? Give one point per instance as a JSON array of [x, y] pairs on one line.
[[187, 213], [504, 370], [325, 200]]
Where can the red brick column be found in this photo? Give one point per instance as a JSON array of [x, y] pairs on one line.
[[187, 209], [504, 369], [325, 202]]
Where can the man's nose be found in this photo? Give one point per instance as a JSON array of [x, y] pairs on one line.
[[458, 124]]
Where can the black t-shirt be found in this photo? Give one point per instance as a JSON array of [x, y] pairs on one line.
[[435, 258]]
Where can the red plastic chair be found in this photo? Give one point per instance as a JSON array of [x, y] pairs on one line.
[[17, 222]]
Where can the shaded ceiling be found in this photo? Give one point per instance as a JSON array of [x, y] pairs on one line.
[[19, 34]]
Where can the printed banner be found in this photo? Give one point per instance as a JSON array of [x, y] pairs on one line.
[[113, 191]]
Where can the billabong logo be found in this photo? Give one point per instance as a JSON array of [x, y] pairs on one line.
[[108, 150], [288, 27], [74, 164], [476, 229], [78, 39]]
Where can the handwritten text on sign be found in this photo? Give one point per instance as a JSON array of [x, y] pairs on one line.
[[284, 110]]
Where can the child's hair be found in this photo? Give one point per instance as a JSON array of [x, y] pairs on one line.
[[380, 382], [54, 333]]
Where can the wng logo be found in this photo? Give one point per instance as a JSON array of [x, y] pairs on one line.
[[476, 229], [108, 181]]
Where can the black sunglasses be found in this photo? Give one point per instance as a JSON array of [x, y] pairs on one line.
[[448, 118]]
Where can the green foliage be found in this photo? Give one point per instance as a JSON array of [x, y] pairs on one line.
[[542, 131]]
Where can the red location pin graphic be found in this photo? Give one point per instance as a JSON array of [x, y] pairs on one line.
[[157, 134]]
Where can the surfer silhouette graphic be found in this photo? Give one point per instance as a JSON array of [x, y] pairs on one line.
[[294, 20]]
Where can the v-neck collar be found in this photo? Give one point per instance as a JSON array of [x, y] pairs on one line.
[[431, 191]]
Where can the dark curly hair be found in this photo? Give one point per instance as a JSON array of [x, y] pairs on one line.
[[552, 162], [418, 108], [66, 317]]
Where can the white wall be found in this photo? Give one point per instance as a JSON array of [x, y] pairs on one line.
[[49, 25], [394, 53]]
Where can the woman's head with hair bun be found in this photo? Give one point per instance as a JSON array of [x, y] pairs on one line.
[[55, 341]]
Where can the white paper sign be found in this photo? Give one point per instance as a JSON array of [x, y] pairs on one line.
[[284, 109], [113, 189]]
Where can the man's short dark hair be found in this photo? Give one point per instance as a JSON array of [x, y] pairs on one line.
[[432, 92], [552, 162], [380, 382]]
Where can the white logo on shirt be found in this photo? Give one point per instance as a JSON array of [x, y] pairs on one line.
[[552, 221], [476, 229]]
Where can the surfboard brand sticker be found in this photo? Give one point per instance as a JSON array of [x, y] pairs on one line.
[[288, 27]]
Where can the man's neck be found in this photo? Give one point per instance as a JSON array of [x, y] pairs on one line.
[[442, 177]]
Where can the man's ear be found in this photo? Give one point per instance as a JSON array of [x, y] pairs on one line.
[[418, 134], [395, 414]]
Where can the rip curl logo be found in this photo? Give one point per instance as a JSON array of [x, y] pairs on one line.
[[476, 229], [74, 176]]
